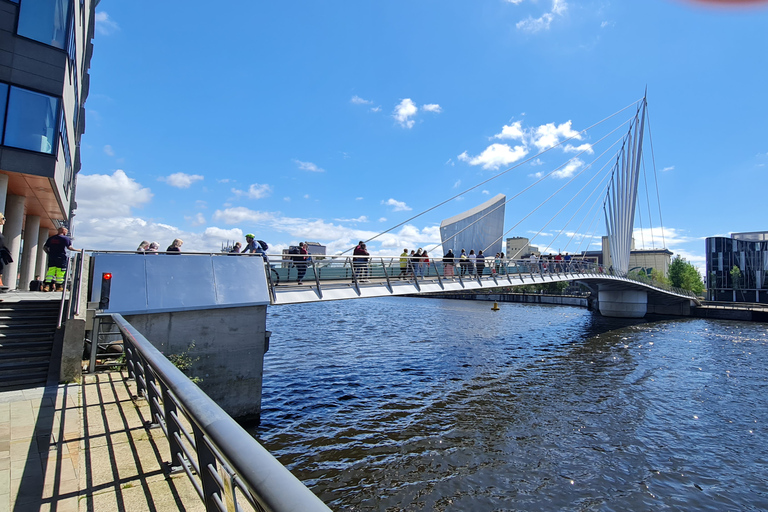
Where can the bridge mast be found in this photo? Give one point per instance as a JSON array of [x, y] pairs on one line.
[[619, 205]]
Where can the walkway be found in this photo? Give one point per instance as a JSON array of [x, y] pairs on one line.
[[84, 447]]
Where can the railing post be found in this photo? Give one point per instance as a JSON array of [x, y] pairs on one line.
[[152, 397], [206, 461], [173, 432]]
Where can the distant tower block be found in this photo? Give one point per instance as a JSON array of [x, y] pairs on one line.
[[481, 228]]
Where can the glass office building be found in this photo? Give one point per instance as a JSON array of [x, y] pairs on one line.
[[737, 267], [478, 229], [45, 54]]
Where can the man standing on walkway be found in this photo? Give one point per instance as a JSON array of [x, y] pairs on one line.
[[56, 249]]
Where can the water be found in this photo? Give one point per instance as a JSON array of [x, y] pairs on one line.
[[422, 404]]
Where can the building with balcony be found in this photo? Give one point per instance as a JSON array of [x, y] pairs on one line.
[[737, 267], [45, 54]]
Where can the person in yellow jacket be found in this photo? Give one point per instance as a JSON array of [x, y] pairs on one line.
[[403, 264]]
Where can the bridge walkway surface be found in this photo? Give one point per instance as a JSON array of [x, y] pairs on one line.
[[84, 447]]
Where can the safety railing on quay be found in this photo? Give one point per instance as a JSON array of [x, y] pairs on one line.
[[228, 468], [71, 288]]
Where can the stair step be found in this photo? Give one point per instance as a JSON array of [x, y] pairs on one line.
[[27, 344], [28, 379], [23, 365]]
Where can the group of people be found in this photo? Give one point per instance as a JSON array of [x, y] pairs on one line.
[[145, 246], [417, 263]]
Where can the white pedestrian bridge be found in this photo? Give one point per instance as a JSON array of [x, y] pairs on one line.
[[147, 283]]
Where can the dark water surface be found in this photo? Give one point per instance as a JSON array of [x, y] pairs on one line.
[[422, 404]]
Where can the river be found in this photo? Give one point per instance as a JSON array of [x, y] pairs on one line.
[[445, 405]]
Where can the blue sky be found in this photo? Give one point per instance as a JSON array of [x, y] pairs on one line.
[[335, 121]]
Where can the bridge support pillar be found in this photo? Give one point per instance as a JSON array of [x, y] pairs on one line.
[[623, 303], [228, 352]]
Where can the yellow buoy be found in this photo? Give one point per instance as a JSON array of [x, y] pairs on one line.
[[495, 306]]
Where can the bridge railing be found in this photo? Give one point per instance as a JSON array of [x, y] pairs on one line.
[[228, 468]]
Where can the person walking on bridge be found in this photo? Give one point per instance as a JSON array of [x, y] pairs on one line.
[[403, 264], [301, 262], [56, 248], [448, 260]]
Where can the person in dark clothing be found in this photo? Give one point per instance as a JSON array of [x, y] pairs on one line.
[[175, 246], [56, 249], [448, 261], [6, 255], [480, 263], [36, 285], [300, 261], [360, 260]]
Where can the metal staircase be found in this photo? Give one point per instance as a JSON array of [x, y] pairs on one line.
[[27, 330]]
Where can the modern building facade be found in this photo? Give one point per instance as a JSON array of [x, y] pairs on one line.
[[737, 267], [481, 228], [45, 53], [519, 247]]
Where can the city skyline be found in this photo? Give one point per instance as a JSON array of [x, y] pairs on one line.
[[334, 124]]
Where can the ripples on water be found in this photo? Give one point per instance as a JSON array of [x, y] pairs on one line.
[[423, 404]]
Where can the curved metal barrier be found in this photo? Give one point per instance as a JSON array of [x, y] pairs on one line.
[[227, 467]]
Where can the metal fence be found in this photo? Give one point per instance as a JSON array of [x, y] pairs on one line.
[[228, 468]]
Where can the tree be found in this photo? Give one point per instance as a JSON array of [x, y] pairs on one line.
[[683, 274]]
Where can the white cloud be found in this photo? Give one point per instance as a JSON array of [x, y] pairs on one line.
[[513, 131], [432, 107], [108, 150], [361, 218], [196, 220], [404, 113], [241, 215], [255, 191], [375, 109], [495, 156], [104, 25], [485, 192], [397, 206], [569, 170], [548, 135], [382, 219], [533, 25], [308, 166], [587, 148], [358, 199], [109, 195], [514, 2], [180, 179], [457, 184], [357, 100], [670, 168]]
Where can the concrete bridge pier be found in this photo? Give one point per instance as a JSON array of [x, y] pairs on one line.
[[225, 346], [622, 303]]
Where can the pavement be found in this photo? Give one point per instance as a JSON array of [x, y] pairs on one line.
[[85, 447]]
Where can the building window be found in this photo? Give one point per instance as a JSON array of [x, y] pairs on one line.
[[67, 155], [3, 102], [31, 121], [44, 21]]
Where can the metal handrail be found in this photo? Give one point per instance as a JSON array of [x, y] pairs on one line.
[[219, 440]]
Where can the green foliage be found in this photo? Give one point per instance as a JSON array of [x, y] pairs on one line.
[[736, 277], [183, 361], [659, 277], [683, 274]]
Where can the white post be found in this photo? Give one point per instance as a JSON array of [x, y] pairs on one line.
[[14, 215], [42, 258], [29, 258]]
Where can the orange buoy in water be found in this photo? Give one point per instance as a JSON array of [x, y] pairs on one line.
[[495, 306]]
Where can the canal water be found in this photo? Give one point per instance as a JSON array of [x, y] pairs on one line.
[[445, 405]]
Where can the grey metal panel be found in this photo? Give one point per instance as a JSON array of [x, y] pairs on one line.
[[247, 274], [28, 162], [180, 282], [128, 290]]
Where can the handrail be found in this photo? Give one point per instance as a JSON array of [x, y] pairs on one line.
[[218, 439], [63, 293]]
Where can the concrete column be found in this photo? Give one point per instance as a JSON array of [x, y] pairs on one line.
[[623, 303], [29, 258], [3, 194], [228, 353], [14, 215], [42, 259]]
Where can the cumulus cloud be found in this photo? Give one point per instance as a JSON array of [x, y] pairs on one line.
[[670, 168], [432, 107], [533, 25], [404, 113], [397, 206], [495, 156], [308, 166], [101, 195], [582, 148], [569, 170], [196, 220], [104, 25], [548, 135], [180, 179], [513, 131], [255, 191], [361, 218]]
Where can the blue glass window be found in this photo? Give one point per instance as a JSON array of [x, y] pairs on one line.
[[31, 121], [44, 21], [3, 101], [67, 156]]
